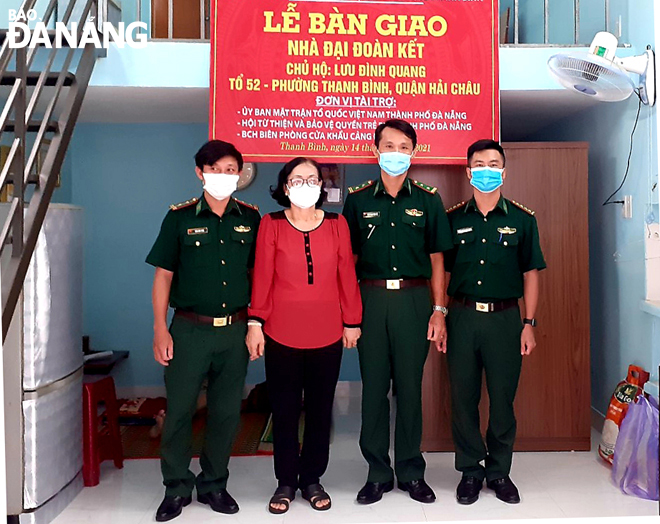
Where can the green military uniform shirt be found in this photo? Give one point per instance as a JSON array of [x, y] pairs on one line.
[[209, 255], [492, 253], [393, 237]]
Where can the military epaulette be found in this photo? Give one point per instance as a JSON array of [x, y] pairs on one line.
[[182, 205], [457, 206], [425, 187], [525, 209], [251, 206], [355, 189]]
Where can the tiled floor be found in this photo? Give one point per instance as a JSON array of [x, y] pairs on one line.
[[551, 485]]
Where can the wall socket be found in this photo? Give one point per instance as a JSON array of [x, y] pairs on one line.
[[627, 206]]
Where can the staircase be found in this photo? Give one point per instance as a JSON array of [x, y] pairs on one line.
[[46, 91]]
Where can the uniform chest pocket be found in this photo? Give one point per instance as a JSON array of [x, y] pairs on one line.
[[504, 247], [416, 222], [243, 237], [368, 226], [464, 244], [197, 250]]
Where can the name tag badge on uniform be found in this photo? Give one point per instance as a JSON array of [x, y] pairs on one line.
[[242, 229], [464, 230], [506, 230], [414, 212], [371, 214], [198, 230]]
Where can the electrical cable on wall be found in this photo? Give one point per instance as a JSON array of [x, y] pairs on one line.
[[625, 176]]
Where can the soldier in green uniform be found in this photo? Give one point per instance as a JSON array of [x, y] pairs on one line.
[[495, 261], [399, 230], [202, 257]]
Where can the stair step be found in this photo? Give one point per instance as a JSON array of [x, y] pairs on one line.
[[9, 78], [32, 127], [31, 180]]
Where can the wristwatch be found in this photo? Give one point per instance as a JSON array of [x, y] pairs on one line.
[[530, 321], [442, 309]]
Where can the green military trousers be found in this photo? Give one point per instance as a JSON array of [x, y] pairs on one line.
[[218, 354], [392, 350], [476, 342]]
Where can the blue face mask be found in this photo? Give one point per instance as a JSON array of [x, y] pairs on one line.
[[486, 179], [394, 163]]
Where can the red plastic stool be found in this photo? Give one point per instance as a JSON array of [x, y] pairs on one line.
[[101, 439]]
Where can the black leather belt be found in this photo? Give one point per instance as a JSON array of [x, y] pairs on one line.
[[396, 283], [488, 307], [227, 320]]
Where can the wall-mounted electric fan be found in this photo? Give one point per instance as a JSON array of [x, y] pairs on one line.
[[603, 76]]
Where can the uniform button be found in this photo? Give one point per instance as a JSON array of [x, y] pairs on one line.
[[224, 305], [506, 243], [414, 223], [485, 219], [483, 240], [242, 241], [224, 283], [394, 268], [479, 283], [310, 273], [393, 247], [222, 241], [392, 224], [462, 241], [222, 262], [370, 226], [393, 202], [482, 262], [197, 243]]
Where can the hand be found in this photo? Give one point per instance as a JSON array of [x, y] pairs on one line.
[[437, 331], [163, 346], [527, 340], [351, 336], [255, 341]]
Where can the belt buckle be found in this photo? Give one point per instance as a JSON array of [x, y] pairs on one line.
[[221, 321], [393, 284], [483, 307]]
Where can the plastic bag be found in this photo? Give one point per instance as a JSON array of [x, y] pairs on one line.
[[625, 392], [635, 468]]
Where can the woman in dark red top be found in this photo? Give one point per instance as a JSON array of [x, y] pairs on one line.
[[305, 308]]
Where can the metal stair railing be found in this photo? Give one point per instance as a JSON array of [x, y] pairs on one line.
[[22, 225]]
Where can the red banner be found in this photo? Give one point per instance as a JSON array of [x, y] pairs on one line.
[[315, 78]]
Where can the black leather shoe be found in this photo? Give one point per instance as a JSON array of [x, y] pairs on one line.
[[505, 490], [171, 507], [373, 491], [418, 490], [468, 490], [220, 501]]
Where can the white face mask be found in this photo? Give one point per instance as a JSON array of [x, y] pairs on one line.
[[220, 185], [304, 196]]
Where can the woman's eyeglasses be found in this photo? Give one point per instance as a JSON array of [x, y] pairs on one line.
[[299, 182]]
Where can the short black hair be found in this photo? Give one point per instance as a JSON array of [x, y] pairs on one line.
[[483, 145], [214, 150], [401, 125], [277, 192]]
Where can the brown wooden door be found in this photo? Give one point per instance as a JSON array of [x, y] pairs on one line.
[[553, 400], [186, 16]]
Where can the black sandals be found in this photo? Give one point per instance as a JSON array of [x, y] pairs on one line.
[[283, 495], [314, 494]]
